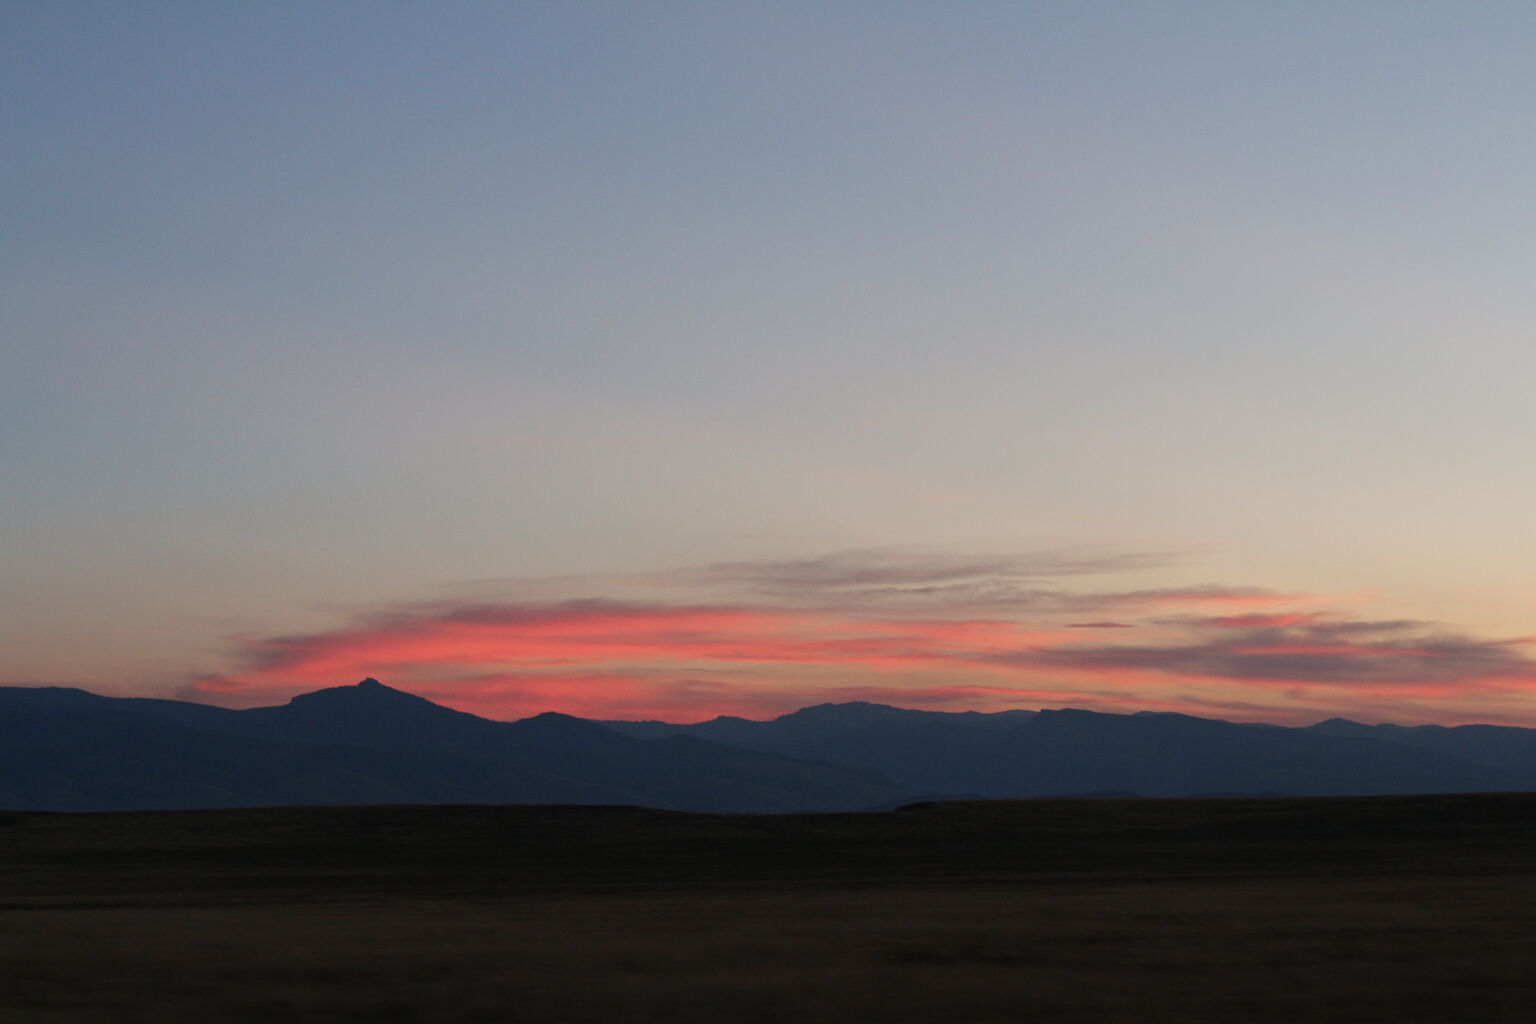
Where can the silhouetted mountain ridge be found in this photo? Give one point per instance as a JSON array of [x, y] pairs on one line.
[[1151, 753], [369, 743], [68, 749]]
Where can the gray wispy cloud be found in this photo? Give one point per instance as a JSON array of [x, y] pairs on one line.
[[898, 568], [1400, 652]]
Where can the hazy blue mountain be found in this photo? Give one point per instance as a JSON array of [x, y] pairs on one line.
[[1506, 748], [63, 749], [1046, 753], [811, 726], [1174, 755]]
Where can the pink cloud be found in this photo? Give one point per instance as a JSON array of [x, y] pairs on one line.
[[597, 656], [939, 647]]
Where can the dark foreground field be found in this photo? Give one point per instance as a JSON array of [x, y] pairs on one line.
[[1400, 909]]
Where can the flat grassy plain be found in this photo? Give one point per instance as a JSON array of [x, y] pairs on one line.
[[1394, 908]]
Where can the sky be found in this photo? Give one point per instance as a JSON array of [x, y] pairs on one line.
[[673, 359]]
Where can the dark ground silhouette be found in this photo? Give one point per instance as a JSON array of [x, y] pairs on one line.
[[1407, 909]]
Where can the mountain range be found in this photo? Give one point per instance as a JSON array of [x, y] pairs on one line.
[[70, 750], [1011, 754], [67, 749]]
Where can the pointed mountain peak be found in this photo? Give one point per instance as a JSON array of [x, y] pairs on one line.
[[554, 723], [1338, 725], [848, 709], [370, 713], [368, 693]]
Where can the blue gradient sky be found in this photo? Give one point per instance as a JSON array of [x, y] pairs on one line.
[[321, 312]]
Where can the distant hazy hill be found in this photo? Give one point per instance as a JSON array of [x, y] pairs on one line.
[[1049, 753], [65, 749]]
